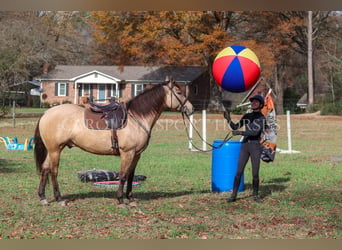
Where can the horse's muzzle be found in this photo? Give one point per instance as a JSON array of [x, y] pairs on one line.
[[188, 111]]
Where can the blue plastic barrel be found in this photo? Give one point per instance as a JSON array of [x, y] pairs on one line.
[[224, 166]]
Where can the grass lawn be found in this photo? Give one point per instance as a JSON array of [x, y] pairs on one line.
[[301, 192]]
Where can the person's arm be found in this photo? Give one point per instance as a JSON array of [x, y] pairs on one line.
[[233, 126], [253, 129]]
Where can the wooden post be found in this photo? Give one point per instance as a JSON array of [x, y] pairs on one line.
[[13, 114], [310, 63]]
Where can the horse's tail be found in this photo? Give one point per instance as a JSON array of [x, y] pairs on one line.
[[40, 151]]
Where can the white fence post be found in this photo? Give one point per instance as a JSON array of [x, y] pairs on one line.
[[204, 129], [289, 139], [190, 131], [289, 142]]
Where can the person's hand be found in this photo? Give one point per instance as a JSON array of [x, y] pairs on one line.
[[235, 132], [226, 115]]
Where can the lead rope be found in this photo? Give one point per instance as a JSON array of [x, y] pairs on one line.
[[227, 138]]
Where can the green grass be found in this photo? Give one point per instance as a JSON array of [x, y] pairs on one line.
[[302, 192]]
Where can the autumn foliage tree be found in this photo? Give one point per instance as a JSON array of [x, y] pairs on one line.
[[171, 38]]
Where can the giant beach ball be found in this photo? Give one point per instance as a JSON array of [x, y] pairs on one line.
[[236, 69]]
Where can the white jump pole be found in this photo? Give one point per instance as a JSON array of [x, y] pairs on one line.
[[288, 122], [289, 140], [204, 129], [191, 131]]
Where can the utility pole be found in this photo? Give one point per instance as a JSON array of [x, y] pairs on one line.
[[310, 67]]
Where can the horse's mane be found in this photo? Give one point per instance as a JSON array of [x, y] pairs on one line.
[[150, 101]]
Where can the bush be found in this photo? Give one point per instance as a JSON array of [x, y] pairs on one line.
[[4, 110], [332, 109], [66, 102], [45, 105], [55, 104], [36, 103]]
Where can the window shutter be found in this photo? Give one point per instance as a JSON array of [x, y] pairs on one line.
[[132, 90], [79, 90], [56, 89], [67, 89], [120, 90]]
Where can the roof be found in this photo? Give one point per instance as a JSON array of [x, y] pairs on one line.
[[133, 73], [33, 83], [303, 100]]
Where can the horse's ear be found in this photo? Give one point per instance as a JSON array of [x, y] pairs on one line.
[[169, 80]]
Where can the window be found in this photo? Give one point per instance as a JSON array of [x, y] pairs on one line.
[[138, 89], [61, 89], [113, 91], [85, 89], [196, 89]]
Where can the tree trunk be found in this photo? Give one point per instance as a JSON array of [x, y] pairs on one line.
[[279, 91], [310, 68]]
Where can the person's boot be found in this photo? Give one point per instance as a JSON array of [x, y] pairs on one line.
[[232, 198], [255, 195]]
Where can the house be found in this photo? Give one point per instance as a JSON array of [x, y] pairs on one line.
[[303, 102], [75, 84]]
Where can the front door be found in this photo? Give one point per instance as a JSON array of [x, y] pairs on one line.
[[101, 93]]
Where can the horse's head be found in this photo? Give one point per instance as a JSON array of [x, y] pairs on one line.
[[176, 99]]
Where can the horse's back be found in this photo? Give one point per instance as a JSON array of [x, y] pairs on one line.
[[59, 122], [64, 109], [65, 125]]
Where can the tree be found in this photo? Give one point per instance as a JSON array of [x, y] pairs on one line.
[[329, 55], [30, 39], [169, 38]]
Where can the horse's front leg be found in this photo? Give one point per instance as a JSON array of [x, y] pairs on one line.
[[119, 194], [129, 193], [127, 159]]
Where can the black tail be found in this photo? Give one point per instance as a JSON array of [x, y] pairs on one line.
[[40, 151]]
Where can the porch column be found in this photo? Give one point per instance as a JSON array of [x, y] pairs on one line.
[[76, 91]]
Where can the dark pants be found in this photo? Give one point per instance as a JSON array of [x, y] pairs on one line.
[[248, 150]]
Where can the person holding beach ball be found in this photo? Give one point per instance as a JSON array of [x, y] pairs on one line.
[[254, 124]]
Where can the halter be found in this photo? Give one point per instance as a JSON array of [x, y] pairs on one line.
[[182, 104], [227, 138]]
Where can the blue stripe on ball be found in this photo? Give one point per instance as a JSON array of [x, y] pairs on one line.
[[237, 48], [233, 79]]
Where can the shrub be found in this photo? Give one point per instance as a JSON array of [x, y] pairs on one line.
[[36, 103], [46, 105], [332, 108]]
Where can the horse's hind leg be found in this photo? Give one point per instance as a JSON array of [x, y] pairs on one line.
[[54, 163], [43, 180]]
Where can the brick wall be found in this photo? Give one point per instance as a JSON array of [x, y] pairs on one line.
[[49, 91]]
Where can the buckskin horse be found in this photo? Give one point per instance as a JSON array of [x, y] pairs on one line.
[[64, 125]]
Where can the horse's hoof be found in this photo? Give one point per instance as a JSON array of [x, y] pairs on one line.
[[62, 203], [44, 202], [133, 204], [123, 206]]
